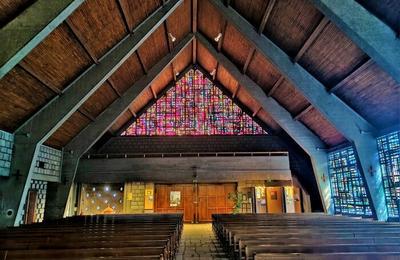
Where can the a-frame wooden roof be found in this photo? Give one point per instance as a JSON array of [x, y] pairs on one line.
[[297, 27]]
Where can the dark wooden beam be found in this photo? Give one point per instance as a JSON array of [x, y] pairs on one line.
[[40, 79], [132, 112], [112, 84], [124, 15], [317, 31], [79, 38], [266, 15], [167, 35], [194, 30], [275, 86], [248, 59], [303, 112], [86, 114], [355, 72], [153, 92], [141, 63], [256, 112], [236, 91]]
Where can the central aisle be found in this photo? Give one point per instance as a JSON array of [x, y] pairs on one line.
[[199, 242]]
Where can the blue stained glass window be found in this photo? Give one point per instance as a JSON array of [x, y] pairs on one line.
[[194, 106], [389, 156], [348, 190]]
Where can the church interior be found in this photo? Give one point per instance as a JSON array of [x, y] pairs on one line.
[[200, 129]]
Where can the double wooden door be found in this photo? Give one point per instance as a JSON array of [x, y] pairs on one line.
[[197, 202]]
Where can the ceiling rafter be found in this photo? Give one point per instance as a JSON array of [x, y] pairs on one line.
[[26, 31], [44, 82], [276, 85], [266, 15], [194, 29], [234, 94], [86, 114], [303, 112], [124, 15], [352, 125], [248, 59], [369, 33], [141, 63]]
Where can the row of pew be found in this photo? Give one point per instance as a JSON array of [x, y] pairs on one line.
[[306, 236], [139, 236]]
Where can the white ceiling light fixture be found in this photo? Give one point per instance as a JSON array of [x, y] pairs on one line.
[[212, 73], [173, 39], [219, 36]]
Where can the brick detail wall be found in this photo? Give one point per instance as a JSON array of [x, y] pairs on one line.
[[134, 197], [41, 188], [48, 163], [192, 144], [6, 146]]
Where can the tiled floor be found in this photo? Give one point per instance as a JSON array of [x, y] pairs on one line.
[[199, 242]]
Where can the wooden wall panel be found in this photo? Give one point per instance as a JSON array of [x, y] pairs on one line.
[[268, 120], [184, 59], [68, 130], [162, 200], [287, 95], [205, 59], [251, 10], [100, 24], [122, 119], [374, 95], [213, 199], [291, 23], [162, 80], [235, 46], [210, 21], [180, 21], [262, 72], [332, 56], [137, 11], [324, 129], [226, 79], [126, 75], [154, 48], [58, 59], [100, 100], [9, 9], [21, 96]]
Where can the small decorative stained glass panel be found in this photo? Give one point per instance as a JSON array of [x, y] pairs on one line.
[[348, 189], [195, 106], [389, 156]]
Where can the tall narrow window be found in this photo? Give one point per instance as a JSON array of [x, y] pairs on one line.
[[194, 106], [389, 156], [348, 189]]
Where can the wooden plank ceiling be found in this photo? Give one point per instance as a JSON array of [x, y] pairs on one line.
[[294, 25]]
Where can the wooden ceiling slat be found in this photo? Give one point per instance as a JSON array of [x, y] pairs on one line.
[[268, 120], [235, 46], [162, 81], [57, 60], [41, 80], [262, 72], [332, 56], [21, 96], [179, 22], [248, 59], [275, 86], [253, 10], [100, 100], [266, 15], [210, 20], [127, 74], [317, 31], [9, 9], [325, 130], [303, 112], [247, 99], [205, 59], [86, 114], [226, 79], [100, 25], [290, 97], [183, 60], [124, 13], [120, 121], [137, 11], [291, 23], [144, 98], [68, 130], [154, 48]]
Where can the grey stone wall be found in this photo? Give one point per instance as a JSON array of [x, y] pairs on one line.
[[48, 164]]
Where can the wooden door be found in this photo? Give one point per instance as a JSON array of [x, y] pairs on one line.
[[30, 207], [163, 203], [213, 199], [297, 199], [274, 199]]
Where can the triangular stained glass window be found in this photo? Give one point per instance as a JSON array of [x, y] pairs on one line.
[[194, 106]]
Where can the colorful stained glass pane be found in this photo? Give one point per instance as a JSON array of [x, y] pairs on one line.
[[195, 106], [348, 190]]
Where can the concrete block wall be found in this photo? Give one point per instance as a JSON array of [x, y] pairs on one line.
[[134, 197], [6, 146], [48, 164]]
